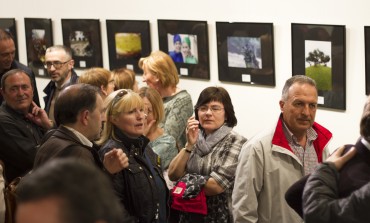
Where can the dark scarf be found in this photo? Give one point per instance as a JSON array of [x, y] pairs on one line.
[[132, 144]]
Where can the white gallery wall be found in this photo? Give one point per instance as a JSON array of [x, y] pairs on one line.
[[256, 106]]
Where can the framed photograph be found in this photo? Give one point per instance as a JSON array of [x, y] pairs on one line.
[[187, 44], [9, 25], [128, 41], [367, 59], [83, 37], [318, 51], [246, 53], [39, 37]]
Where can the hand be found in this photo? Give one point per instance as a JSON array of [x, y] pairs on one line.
[[39, 117], [115, 160], [148, 126], [338, 160], [192, 131]]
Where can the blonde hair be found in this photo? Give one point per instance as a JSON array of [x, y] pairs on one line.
[[157, 103], [96, 76], [124, 78], [162, 66], [115, 105]]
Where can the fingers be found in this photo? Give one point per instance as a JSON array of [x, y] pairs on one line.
[[351, 153], [118, 156], [193, 124], [338, 159]]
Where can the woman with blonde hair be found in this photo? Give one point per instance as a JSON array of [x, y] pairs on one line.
[[140, 187], [160, 73], [99, 77], [125, 79]]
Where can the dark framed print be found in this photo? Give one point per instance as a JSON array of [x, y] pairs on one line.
[[246, 53], [9, 25], [367, 59], [83, 37], [187, 44], [318, 51], [39, 37], [128, 41]]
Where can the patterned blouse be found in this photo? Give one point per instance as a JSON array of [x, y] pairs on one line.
[[177, 110]]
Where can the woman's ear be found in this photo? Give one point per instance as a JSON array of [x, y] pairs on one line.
[[113, 119]]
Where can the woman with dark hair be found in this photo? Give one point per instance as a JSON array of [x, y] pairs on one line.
[[211, 151]]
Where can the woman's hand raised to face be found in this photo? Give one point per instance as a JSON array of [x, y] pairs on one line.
[[192, 131]]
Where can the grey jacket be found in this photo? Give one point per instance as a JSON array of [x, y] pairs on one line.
[[321, 203]]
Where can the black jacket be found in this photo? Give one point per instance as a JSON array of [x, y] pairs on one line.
[[49, 90], [18, 140], [322, 203], [354, 174], [137, 186]]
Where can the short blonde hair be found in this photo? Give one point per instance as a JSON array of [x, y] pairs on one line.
[[96, 76], [157, 103], [123, 100], [162, 66], [124, 78]]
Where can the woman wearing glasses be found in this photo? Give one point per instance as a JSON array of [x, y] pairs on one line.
[[211, 151], [140, 187]]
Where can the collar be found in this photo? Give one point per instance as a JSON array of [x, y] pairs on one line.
[[64, 84], [365, 143], [311, 134], [81, 137]]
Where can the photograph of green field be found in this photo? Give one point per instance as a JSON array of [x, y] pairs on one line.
[[322, 76], [318, 63]]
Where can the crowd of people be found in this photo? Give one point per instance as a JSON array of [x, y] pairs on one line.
[[104, 150]]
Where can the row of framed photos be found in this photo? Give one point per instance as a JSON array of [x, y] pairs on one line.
[[245, 50]]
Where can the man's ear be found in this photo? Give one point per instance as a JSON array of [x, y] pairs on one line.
[[281, 103], [84, 117]]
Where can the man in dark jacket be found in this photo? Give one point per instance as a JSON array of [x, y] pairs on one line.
[[7, 62], [22, 124], [78, 113], [339, 190], [59, 65]]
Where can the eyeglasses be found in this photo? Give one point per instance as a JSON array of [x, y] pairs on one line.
[[56, 64], [214, 108]]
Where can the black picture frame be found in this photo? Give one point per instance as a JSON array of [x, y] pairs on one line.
[[367, 59], [246, 53], [9, 25], [319, 51], [196, 34], [128, 41], [84, 39], [39, 37]]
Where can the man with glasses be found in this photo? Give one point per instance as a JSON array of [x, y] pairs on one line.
[[273, 160], [59, 65], [7, 62]]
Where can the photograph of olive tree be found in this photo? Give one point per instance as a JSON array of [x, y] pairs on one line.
[[318, 63]]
